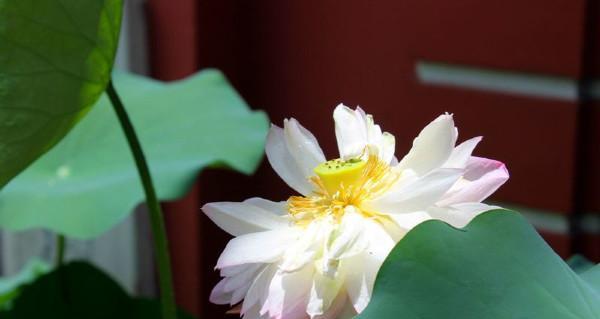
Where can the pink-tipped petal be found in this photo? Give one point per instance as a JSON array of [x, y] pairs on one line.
[[482, 178]]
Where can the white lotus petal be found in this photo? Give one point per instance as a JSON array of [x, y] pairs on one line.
[[243, 218], [417, 195], [432, 147], [293, 262], [303, 147], [459, 215], [350, 131], [338, 309], [244, 278], [296, 311], [384, 142], [408, 221], [380, 242], [361, 272], [373, 130], [238, 295], [349, 237], [259, 288], [323, 293], [278, 208], [393, 229], [254, 313], [232, 290], [461, 154], [359, 282], [288, 294], [356, 130], [387, 148], [218, 295], [233, 270], [308, 245], [284, 163], [262, 247], [347, 312]]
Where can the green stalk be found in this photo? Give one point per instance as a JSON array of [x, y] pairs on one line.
[[161, 247], [60, 250]]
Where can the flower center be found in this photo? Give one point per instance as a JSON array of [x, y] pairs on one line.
[[337, 173], [342, 183]]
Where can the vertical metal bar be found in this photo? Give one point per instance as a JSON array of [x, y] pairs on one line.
[[584, 124]]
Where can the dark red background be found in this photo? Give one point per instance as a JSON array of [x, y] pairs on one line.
[[300, 59]]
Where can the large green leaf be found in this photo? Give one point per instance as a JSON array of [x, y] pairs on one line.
[[11, 286], [496, 267], [592, 277], [79, 290], [88, 182], [55, 61]]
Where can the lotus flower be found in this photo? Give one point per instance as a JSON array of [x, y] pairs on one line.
[[316, 255]]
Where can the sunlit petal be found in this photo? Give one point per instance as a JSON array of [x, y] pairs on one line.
[[288, 294], [418, 195], [432, 147], [261, 247], [303, 147], [245, 217], [350, 131], [258, 290], [284, 163], [323, 293], [356, 131], [461, 154], [459, 215]]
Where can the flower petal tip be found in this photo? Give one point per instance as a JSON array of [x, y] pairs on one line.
[[341, 106], [206, 207], [504, 169]]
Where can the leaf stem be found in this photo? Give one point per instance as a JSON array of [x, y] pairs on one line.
[[156, 216], [60, 250]]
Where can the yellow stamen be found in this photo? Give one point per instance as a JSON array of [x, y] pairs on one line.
[[338, 187]]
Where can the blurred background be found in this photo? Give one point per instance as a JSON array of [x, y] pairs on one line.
[[525, 75]]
